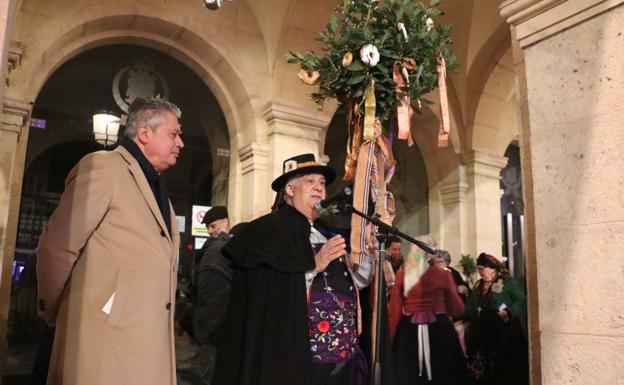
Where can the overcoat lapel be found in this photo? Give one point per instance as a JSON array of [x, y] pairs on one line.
[[141, 181]]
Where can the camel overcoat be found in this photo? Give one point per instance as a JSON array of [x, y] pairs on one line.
[[107, 266]]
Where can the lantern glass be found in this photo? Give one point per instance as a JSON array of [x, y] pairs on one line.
[[106, 128]]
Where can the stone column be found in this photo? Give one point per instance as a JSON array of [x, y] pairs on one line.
[[454, 218], [292, 130], [254, 196], [482, 173], [13, 140], [568, 60]]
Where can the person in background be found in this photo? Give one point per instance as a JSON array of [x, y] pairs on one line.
[[218, 225], [107, 259], [393, 262], [426, 347], [444, 261], [217, 221], [213, 289], [393, 251], [497, 346]]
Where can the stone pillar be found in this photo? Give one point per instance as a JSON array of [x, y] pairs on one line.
[[13, 140], [255, 199], [453, 225], [292, 130], [568, 60], [482, 173]]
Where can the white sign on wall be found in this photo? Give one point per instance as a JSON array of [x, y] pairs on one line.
[[199, 242], [181, 223], [197, 228]]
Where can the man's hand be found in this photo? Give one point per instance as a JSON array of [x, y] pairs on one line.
[[334, 248], [462, 289]]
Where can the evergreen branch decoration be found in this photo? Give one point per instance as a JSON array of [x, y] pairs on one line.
[[469, 268], [362, 42]]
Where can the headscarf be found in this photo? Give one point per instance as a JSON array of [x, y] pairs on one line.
[[486, 260], [416, 263]]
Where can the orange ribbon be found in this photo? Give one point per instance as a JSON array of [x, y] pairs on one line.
[[443, 133], [402, 95]]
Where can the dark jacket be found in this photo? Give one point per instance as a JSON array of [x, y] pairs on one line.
[[265, 335], [503, 291], [497, 349], [213, 291]]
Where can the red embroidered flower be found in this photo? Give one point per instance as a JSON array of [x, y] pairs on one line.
[[323, 326], [342, 354]]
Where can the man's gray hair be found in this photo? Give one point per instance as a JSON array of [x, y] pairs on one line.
[[148, 111], [293, 180], [445, 255], [282, 198]]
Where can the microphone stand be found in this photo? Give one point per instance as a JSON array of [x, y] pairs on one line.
[[383, 230], [388, 229]]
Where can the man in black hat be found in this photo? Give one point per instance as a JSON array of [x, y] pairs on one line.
[[214, 273], [217, 221], [293, 310]]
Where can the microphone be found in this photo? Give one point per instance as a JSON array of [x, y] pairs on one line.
[[338, 197]]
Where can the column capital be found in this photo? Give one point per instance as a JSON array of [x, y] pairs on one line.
[[454, 192], [16, 51], [254, 157], [292, 120], [15, 115], [535, 20], [483, 157]]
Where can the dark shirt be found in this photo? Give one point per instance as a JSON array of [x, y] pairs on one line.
[[397, 263], [213, 291], [154, 179]]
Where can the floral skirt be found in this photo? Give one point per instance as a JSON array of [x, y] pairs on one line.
[[333, 327]]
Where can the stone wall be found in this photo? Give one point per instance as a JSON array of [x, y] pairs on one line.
[[572, 144], [575, 92]]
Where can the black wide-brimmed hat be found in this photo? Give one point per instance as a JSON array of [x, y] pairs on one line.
[[217, 212], [300, 165]]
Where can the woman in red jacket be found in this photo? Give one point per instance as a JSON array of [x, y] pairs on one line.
[[426, 346]]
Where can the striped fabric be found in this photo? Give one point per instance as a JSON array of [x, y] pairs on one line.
[[375, 167]]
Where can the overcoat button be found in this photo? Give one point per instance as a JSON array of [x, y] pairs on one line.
[[162, 233], [168, 306]]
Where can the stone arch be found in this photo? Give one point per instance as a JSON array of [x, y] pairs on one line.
[[301, 25], [219, 74], [495, 116], [441, 164], [215, 63]]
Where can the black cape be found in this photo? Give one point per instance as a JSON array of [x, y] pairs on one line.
[[265, 335]]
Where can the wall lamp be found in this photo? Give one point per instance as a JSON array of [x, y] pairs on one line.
[[106, 128]]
